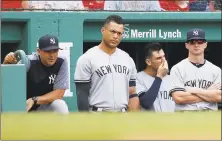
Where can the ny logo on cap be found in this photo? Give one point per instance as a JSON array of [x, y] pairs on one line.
[[52, 41], [195, 33]]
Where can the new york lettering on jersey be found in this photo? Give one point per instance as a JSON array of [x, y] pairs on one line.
[[103, 70], [200, 83], [164, 95]]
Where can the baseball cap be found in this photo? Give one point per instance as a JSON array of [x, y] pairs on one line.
[[48, 42], [196, 34]]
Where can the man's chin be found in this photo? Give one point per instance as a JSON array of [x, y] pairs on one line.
[[49, 64], [197, 53], [113, 45]]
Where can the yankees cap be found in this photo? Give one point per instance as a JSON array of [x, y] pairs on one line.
[[48, 42], [196, 34]]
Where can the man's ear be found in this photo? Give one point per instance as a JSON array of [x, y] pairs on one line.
[[205, 45], [102, 30], [148, 62], [186, 45], [38, 51]]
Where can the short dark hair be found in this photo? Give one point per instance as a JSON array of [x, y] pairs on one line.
[[113, 18], [150, 48]]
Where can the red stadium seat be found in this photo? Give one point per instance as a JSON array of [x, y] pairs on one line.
[[170, 5], [11, 4], [93, 4]]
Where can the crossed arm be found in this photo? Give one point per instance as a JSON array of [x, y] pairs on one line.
[[196, 95], [182, 97], [191, 95], [210, 95]]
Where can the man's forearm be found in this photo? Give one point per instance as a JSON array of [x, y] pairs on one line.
[[134, 104], [181, 97], [82, 93], [210, 95], [51, 96], [191, 99], [147, 98]]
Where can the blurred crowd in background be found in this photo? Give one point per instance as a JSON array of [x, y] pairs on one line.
[[108, 5]]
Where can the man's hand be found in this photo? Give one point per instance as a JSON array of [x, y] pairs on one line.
[[29, 104], [162, 69], [10, 59]]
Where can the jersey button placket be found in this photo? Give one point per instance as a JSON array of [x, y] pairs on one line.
[[113, 79]]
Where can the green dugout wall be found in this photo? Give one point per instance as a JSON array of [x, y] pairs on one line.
[[24, 29]]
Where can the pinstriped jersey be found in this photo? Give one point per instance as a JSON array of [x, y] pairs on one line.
[[42, 79], [163, 102], [109, 76], [185, 75]]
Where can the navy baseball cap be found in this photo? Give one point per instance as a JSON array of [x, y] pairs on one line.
[[48, 42], [196, 34]]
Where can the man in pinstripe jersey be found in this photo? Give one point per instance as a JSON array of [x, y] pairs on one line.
[[105, 75], [197, 81], [153, 84]]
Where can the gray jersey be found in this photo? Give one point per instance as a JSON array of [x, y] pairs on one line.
[[164, 102], [186, 75], [61, 81], [109, 76]]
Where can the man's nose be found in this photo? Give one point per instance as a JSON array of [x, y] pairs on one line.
[[195, 43], [52, 53], [115, 35]]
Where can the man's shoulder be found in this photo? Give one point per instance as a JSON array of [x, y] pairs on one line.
[[62, 57], [34, 56], [167, 78], [123, 53], [181, 64], [212, 66], [140, 77], [62, 60], [142, 74], [91, 52]]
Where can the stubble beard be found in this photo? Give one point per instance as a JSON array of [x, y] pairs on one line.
[[108, 45]]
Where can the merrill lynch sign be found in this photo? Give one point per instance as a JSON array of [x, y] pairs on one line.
[[150, 33]]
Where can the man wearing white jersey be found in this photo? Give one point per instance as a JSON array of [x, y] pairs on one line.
[[197, 82], [105, 75], [153, 84]]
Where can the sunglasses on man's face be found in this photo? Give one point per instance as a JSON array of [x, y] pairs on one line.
[[199, 42]]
